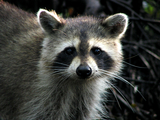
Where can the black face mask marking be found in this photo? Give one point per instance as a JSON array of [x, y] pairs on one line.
[[103, 60], [65, 58]]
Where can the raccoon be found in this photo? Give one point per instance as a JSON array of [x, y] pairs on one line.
[[53, 68]]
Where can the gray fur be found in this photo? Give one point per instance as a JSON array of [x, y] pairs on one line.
[[29, 88]]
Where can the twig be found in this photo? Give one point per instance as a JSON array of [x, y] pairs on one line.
[[142, 30], [144, 20], [132, 11]]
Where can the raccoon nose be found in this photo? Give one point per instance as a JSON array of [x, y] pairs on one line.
[[84, 71]]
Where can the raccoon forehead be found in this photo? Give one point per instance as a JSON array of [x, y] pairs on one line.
[[74, 42], [108, 45], [81, 20]]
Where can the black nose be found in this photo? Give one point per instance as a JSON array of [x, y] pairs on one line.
[[84, 71]]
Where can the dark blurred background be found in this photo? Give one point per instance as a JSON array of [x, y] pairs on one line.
[[141, 47]]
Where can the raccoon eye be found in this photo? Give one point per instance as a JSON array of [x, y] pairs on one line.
[[96, 51], [70, 50]]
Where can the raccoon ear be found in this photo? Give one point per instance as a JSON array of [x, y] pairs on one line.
[[49, 21], [116, 24]]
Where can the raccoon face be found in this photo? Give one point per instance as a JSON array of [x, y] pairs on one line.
[[81, 48]]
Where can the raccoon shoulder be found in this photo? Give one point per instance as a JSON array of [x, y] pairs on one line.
[[15, 24], [20, 38]]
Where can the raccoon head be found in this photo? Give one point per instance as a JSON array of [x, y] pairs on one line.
[[82, 48]]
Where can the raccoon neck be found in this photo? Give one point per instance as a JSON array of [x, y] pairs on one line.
[[67, 101]]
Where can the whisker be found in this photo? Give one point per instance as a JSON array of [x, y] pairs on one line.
[[59, 68], [63, 78], [61, 64], [118, 77], [122, 79], [58, 72], [63, 74], [55, 67], [134, 65], [116, 96], [123, 97], [109, 83], [113, 87]]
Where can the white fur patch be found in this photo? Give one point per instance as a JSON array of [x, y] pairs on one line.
[[111, 47], [73, 66], [92, 63], [69, 43]]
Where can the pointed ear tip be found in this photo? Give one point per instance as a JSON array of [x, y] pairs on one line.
[[40, 11], [117, 17], [121, 15], [124, 16]]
